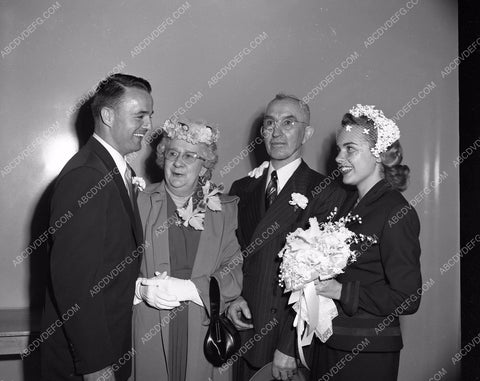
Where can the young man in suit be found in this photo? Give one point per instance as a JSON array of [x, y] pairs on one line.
[[95, 257], [264, 203]]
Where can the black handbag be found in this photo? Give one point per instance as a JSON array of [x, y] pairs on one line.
[[222, 339]]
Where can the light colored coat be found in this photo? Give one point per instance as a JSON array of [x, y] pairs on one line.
[[218, 255]]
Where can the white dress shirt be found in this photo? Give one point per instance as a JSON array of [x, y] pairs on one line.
[[117, 157], [283, 174]]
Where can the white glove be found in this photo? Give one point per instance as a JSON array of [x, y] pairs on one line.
[[183, 289], [137, 298], [154, 292]]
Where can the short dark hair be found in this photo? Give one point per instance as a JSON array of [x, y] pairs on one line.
[[303, 106], [110, 90]]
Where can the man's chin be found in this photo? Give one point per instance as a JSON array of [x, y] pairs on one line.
[[282, 156], [137, 146], [278, 154]]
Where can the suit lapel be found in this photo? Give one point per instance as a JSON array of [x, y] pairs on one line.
[[206, 245], [157, 217], [257, 202], [253, 199], [109, 163]]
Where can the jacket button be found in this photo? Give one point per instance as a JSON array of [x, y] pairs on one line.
[[273, 310]]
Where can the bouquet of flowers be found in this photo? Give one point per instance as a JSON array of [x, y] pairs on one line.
[[320, 252]]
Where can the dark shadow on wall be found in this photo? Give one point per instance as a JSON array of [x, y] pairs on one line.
[[84, 124], [329, 146], [153, 172], [259, 153]]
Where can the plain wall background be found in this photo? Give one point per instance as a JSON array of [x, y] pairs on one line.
[[52, 68]]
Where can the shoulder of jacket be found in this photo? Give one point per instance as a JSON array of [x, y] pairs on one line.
[[227, 199]]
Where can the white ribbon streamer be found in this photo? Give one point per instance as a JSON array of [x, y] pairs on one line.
[[314, 316]]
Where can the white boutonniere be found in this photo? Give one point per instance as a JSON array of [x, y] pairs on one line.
[[298, 200], [257, 172], [139, 183]]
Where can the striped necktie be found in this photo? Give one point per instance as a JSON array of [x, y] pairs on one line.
[[271, 192], [128, 179]]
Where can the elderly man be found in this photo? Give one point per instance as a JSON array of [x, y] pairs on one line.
[[95, 257], [265, 218]]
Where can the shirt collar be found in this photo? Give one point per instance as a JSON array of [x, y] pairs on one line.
[[117, 157], [284, 173]]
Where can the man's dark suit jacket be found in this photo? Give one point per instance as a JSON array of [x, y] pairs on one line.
[[94, 262], [262, 235], [385, 280]]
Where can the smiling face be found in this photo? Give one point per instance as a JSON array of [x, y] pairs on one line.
[[355, 160], [128, 121], [282, 146], [181, 178]]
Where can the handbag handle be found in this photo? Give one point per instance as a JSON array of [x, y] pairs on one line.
[[222, 339], [214, 292]]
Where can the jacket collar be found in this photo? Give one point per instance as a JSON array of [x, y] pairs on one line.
[[375, 192], [156, 191]]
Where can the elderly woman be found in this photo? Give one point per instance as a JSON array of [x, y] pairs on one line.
[[190, 237]]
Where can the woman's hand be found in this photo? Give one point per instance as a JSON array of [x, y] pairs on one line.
[[329, 288], [183, 290], [155, 292]]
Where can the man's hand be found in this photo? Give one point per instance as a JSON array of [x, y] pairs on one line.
[[329, 288], [235, 311], [106, 374], [283, 366]]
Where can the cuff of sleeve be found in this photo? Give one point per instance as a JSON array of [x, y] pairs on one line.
[[287, 348], [202, 284], [287, 340], [193, 293], [137, 299], [349, 297]]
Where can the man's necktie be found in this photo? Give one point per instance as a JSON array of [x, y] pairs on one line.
[[271, 191], [128, 179]]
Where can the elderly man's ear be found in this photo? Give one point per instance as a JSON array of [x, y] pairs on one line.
[[309, 130]]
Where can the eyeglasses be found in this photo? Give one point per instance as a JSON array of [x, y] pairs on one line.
[[285, 125], [187, 157]]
